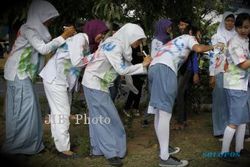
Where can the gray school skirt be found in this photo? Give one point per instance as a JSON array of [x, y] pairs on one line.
[[163, 87], [237, 101]]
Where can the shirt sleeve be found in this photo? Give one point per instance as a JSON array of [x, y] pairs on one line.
[[78, 49], [236, 53], [191, 42], [38, 44], [116, 59]]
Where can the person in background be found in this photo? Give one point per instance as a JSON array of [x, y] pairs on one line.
[[96, 30], [224, 33], [133, 99], [188, 74], [24, 130], [115, 86], [162, 35]]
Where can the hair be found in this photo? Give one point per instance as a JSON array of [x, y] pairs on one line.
[[241, 18], [190, 28], [78, 24], [185, 20], [115, 26], [231, 16]]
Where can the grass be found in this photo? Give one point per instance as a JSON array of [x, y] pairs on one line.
[[142, 144]]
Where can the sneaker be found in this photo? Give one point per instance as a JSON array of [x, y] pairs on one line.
[[115, 161], [145, 123], [244, 153], [173, 150], [67, 156], [126, 113], [173, 162], [247, 139], [229, 157], [220, 139]]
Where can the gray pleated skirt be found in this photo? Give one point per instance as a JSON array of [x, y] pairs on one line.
[[108, 137], [24, 130], [163, 87]]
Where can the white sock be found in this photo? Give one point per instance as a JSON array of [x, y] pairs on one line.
[[227, 138], [240, 134], [156, 122], [163, 133]]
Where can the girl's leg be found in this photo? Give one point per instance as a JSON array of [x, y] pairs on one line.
[[227, 137], [163, 133], [60, 111], [240, 134], [156, 122]]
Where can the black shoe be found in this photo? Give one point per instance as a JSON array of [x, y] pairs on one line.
[[66, 156], [145, 123], [115, 161], [244, 153], [227, 157]]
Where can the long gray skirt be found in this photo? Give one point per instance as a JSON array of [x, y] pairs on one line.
[[24, 130], [219, 107], [107, 138]]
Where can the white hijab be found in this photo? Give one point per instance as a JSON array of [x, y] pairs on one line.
[[222, 31], [128, 34], [39, 12]]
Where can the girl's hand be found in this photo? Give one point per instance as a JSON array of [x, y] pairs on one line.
[[212, 81], [146, 61], [219, 46], [68, 32], [196, 78]]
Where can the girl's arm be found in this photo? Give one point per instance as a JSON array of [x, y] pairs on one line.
[[244, 65], [120, 65], [45, 48]]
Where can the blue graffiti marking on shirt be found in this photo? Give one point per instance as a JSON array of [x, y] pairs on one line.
[[74, 71], [211, 54], [179, 46], [108, 46], [123, 64]]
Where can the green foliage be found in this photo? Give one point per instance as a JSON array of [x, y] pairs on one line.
[[147, 12], [108, 10]]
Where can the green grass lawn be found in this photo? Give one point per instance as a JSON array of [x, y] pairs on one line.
[[194, 141]]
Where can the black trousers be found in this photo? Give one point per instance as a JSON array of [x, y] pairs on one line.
[[184, 82]]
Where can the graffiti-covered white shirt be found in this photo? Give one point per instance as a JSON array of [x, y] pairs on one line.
[[155, 47], [238, 51], [24, 60], [175, 52], [107, 62], [64, 67], [217, 56]]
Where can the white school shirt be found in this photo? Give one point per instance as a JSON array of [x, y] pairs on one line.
[[25, 53], [175, 52], [238, 51], [62, 68], [217, 57], [155, 47], [106, 64]]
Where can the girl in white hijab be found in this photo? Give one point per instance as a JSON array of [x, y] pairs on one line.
[[23, 116], [224, 33], [113, 57]]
